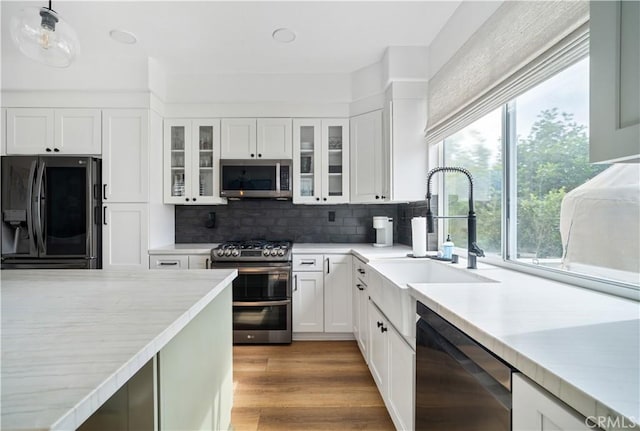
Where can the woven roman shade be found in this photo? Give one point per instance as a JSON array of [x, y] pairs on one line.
[[520, 45]]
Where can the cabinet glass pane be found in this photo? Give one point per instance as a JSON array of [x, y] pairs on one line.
[[178, 160], [335, 161], [307, 160], [177, 182], [205, 161]]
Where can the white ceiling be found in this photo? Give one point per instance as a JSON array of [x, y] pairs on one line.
[[211, 37]]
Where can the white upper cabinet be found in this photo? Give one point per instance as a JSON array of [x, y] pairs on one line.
[[389, 153], [250, 138], [367, 158], [320, 161], [191, 162], [274, 138], [53, 131], [239, 138], [125, 161], [77, 131], [614, 49], [404, 150]]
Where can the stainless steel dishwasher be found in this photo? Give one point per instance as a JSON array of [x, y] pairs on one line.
[[460, 386]]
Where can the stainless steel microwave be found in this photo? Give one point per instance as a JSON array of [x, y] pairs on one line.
[[255, 178]]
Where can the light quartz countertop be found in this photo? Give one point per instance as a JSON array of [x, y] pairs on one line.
[[365, 251], [191, 248], [580, 345], [71, 338]]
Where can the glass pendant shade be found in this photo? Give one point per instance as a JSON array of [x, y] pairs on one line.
[[42, 35]]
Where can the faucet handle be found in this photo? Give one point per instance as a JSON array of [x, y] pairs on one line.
[[476, 251]]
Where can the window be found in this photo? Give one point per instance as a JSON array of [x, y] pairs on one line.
[[477, 148], [538, 143]]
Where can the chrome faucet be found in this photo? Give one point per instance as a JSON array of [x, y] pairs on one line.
[[473, 250]]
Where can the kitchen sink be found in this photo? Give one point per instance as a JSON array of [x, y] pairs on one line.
[[402, 272]]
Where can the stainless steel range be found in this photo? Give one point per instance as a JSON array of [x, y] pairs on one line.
[[262, 290]]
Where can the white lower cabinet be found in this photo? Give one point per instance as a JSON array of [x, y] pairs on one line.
[[321, 298], [359, 306], [125, 236], [535, 409], [392, 364], [308, 302], [337, 294], [199, 261], [179, 261]]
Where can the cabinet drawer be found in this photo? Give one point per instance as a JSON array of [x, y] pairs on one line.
[[308, 262], [169, 262], [361, 271]]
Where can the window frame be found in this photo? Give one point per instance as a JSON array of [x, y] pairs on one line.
[[509, 219]]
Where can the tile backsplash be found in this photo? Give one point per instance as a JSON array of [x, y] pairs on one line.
[[415, 209], [271, 219]]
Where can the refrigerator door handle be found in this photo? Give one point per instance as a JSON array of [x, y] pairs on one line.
[[30, 220], [38, 215]]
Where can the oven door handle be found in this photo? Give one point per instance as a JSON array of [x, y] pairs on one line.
[[261, 303], [261, 269]]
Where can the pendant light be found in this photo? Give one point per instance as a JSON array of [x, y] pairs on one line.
[[42, 35]]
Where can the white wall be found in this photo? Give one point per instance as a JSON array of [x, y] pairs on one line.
[[465, 21]]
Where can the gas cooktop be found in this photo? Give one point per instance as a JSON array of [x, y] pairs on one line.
[[252, 251]]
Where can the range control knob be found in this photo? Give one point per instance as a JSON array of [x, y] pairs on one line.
[[274, 252], [227, 252], [235, 253], [265, 252], [281, 252], [220, 252]]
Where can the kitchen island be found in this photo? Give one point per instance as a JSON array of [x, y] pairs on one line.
[[72, 338]]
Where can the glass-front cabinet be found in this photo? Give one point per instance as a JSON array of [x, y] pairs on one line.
[[191, 157], [320, 161]]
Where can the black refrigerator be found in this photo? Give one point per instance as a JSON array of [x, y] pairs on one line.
[[51, 212]]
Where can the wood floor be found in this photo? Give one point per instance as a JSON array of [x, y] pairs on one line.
[[308, 385]]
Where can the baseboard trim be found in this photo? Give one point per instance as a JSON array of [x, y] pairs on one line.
[[323, 336]]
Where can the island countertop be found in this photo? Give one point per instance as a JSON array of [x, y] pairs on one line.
[[71, 338]]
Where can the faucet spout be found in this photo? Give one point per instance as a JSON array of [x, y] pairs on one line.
[[473, 250]]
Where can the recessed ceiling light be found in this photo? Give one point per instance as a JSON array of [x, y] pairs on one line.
[[123, 36], [283, 35]]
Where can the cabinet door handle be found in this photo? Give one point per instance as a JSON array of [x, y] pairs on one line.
[[56, 150], [295, 283], [307, 262], [259, 155], [104, 192], [379, 324], [104, 215], [361, 271], [383, 329], [328, 266], [206, 264], [48, 150], [324, 199], [174, 263], [194, 199], [359, 286], [253, 155], [317, 199]]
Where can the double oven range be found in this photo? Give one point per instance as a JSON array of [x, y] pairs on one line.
[[262, 290]]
